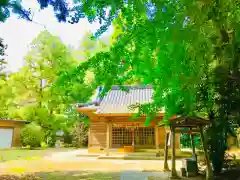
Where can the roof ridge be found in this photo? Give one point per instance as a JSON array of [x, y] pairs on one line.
[[117, 87]]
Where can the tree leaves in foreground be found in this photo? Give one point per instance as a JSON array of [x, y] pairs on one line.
[[167, 50], [180, 48]]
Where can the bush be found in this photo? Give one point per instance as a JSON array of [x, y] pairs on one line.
[[44, 145], [50, 138], [80, 135], [186, 142], [32, 135], [67, 138]]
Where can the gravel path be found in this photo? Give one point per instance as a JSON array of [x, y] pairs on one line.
[[136, 175]]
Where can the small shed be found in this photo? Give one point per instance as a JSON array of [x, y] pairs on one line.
[[191, 125], [10, 132]]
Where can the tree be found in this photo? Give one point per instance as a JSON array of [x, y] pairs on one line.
[[87, 48], [41, 100], [2, 54], [60, 8], [6, 95]]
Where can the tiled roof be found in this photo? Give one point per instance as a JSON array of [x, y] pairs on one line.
[[118, 101]]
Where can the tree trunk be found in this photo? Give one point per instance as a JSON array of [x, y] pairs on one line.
[[166, 168], [173, 169], [209, 172]]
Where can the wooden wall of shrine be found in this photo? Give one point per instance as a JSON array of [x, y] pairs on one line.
[[100, 132]]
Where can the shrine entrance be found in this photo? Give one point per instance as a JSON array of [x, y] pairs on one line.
[[139, 137]]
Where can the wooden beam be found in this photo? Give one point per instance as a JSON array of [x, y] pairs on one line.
[[166, 168], [125, 114], [209, 171], [186, 131], [185, 125]]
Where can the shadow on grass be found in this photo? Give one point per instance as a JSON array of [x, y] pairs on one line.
[[83, 175], [233, 174], [66, 175]]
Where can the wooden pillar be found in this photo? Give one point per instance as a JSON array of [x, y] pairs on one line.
[[90, 135], [193, 145], [166, 168], [209, 171], [133, 137], [156, 138], [194, 155], [108, 140], [173, 169], [110, 135]]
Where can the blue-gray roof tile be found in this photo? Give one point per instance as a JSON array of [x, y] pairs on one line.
[[118, 101]]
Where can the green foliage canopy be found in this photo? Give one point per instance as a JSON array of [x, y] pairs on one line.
[[168, 51]]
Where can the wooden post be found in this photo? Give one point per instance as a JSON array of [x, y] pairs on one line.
[[166, 168], [108, 138], [194, 155], [89, 137], [173, 169], [157, 140], [110, 135], [133, 137], [209, 172], [193, 145]]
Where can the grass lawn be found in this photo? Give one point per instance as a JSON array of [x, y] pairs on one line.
[[16, 154]]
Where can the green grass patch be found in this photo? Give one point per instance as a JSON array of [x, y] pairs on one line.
[[26, 154]]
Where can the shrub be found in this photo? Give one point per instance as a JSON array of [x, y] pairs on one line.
[[80, 135], [32, 135], [185, 140], [67, 138], [44, 145], [50, 138]]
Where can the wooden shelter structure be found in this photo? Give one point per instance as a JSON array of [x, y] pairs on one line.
[[191, 125]]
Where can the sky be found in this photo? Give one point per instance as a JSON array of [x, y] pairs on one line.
[[18, 33]]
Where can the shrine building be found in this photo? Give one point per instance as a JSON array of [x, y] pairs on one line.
[[112, 127]]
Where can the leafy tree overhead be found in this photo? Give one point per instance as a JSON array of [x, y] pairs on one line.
[[6, 6], [177, 47], [165, 50]]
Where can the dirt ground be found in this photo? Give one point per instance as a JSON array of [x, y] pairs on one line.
[[66, 165]]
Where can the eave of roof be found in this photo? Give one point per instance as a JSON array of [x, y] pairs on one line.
[[13, 120]]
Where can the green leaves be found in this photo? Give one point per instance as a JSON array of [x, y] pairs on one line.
[[173, 51], [37, 93]]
